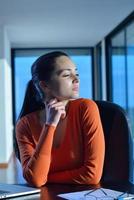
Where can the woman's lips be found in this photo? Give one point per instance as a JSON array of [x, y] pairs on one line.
[[76, 88]]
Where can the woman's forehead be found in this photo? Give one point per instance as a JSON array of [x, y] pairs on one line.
[[63, 63]]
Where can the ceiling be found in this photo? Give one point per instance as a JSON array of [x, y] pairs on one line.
[[61, 23]]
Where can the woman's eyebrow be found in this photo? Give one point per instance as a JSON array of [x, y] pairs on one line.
[[67, 69]]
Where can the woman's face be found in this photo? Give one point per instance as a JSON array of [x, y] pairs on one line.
[[64, 83]]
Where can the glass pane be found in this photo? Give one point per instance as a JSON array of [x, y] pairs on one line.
[[130, 69], [123, 70], [118, 77], [83, 64], [118, 40], [24, 59], [119, 70], [22, 76]]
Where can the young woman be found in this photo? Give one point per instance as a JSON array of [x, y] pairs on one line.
[[59, 135]]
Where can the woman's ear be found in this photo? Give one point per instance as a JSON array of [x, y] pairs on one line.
[[44, 86]]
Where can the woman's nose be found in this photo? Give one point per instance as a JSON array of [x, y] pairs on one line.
[[76, 78]]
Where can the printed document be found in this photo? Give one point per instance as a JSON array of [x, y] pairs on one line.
[[100, 192]]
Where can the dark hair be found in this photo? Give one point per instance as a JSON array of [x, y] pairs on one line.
[[32, 100], [41, 69]]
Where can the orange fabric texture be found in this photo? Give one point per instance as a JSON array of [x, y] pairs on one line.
[[77, 160]]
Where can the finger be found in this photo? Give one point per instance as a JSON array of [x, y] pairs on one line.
[[52, 101], [63, 115], [48, 104], [56, 104], [59, 107]]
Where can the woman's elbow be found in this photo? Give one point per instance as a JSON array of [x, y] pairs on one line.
[[35, 181], [37, 184], [93, 179]]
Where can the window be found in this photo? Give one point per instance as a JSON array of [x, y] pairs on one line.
[[121, 59], [23, 60], [130, 70], [119, 70]]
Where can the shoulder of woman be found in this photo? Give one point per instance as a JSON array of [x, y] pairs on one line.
[[88, 104], [23, 127], [84, 102], [25, 120], [84, 105]]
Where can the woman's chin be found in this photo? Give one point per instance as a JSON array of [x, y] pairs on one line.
[[76, 95]]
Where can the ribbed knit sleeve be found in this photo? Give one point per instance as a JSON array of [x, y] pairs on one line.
[[35, 159]]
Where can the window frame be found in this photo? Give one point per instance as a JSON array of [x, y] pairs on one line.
[[108, 49]]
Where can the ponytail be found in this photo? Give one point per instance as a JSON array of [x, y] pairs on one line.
[[32, 100]]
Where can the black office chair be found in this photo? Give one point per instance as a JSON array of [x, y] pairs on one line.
[[118, 141]]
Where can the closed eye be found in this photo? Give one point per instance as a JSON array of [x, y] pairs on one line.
[[66, 75]]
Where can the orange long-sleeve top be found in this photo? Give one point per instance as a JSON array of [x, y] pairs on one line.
[[77, 160]]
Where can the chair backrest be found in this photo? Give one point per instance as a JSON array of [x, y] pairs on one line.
[[118, 141]]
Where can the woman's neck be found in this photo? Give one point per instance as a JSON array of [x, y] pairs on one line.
[[65, 102]]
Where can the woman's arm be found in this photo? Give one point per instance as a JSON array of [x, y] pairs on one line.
[[35, 159], [94, 147]]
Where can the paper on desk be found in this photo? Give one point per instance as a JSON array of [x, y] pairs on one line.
[[97, 193]]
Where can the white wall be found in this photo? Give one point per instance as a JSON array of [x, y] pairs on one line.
[[6, 127]]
